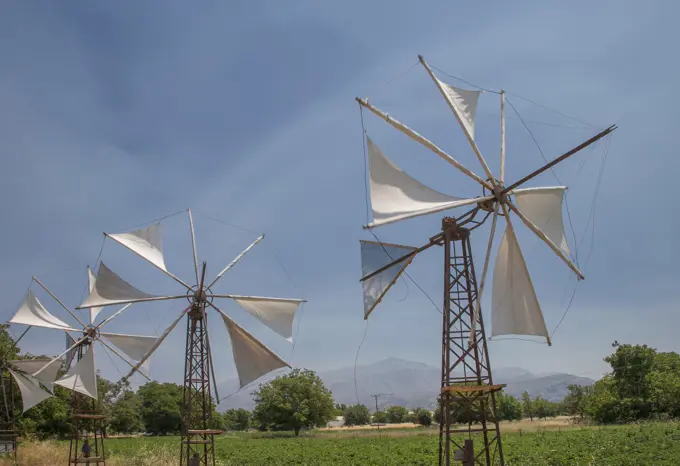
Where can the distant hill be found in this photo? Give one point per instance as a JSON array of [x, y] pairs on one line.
[[412, 384]]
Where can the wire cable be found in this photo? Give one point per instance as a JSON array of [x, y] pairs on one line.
[[540, 150], [356, 360]]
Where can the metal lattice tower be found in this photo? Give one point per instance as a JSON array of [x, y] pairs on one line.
[[252, 358], [467, 390], [8, 428], [87, 427], [198, 443]]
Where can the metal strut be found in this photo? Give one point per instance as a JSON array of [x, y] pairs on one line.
[[8, 426], [87, 427], [467, 398], [198, 443]]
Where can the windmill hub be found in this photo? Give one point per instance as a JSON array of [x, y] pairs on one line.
[[497, 193], [200, 296], [91, 332]]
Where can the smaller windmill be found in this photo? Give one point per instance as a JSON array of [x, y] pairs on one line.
[[81, 378], [467, 387], [252, 358], [33, 390]]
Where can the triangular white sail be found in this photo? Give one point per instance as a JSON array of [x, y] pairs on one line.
[[30, 366], [91, 279], [374, 256], [135, 346], [464, 104], [146, 242], [68, 357], [514, 306], [252, 358], [31, 393], [82, 377], [396, 196], [32, 312], [276, 313], [543, 207], [110, 289]]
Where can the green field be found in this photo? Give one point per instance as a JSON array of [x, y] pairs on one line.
[[634, 445], [650, 444]]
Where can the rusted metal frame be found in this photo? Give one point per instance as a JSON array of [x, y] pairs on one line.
[[485, 357], [469, 272], [206, 382], [559, 159], [80, 406], [8, 421], [445, 398], [186, 397], [461, 288], [462, 358], [459, 318]]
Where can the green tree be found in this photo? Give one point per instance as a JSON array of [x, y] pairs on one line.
[[631, 365], [293, 401], [574, 404], [543, 408], [8, 349], [237, 419], [509, 408], [421, 416], [126, 414], [339, 409], [160, 407], [356, 415], [380, 417], [50, 418], [397, 414], [527, 406]]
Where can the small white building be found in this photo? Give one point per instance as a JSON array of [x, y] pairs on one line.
[[339, 421]]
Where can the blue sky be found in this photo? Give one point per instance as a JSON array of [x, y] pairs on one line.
[[115, 114]]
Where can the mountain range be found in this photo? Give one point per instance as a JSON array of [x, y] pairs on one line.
[[410, 384]]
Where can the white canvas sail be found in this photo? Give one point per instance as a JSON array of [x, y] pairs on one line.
[[396, 196], [374, 256], [31, 393], [30, 366], [82, 377], [134, 346], [543, 207], [91, 279], [514, 306], [464, 103], [276, 313], [110, 289], [146, 242], [252, 358], [68, 357], [32, 312]]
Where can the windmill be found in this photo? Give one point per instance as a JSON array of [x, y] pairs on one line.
[[33, 390], [467, 388], [81, 378], [252, 358]]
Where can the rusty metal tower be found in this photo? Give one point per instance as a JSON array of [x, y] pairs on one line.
[[87, 423], [467, 392], [252, 358]]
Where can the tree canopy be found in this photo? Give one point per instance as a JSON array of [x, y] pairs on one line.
[[357, 415], [293, 401]]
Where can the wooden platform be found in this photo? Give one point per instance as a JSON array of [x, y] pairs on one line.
[[204, 432], [473, 389]]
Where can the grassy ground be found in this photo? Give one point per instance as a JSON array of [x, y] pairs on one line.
[[649, 444]]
